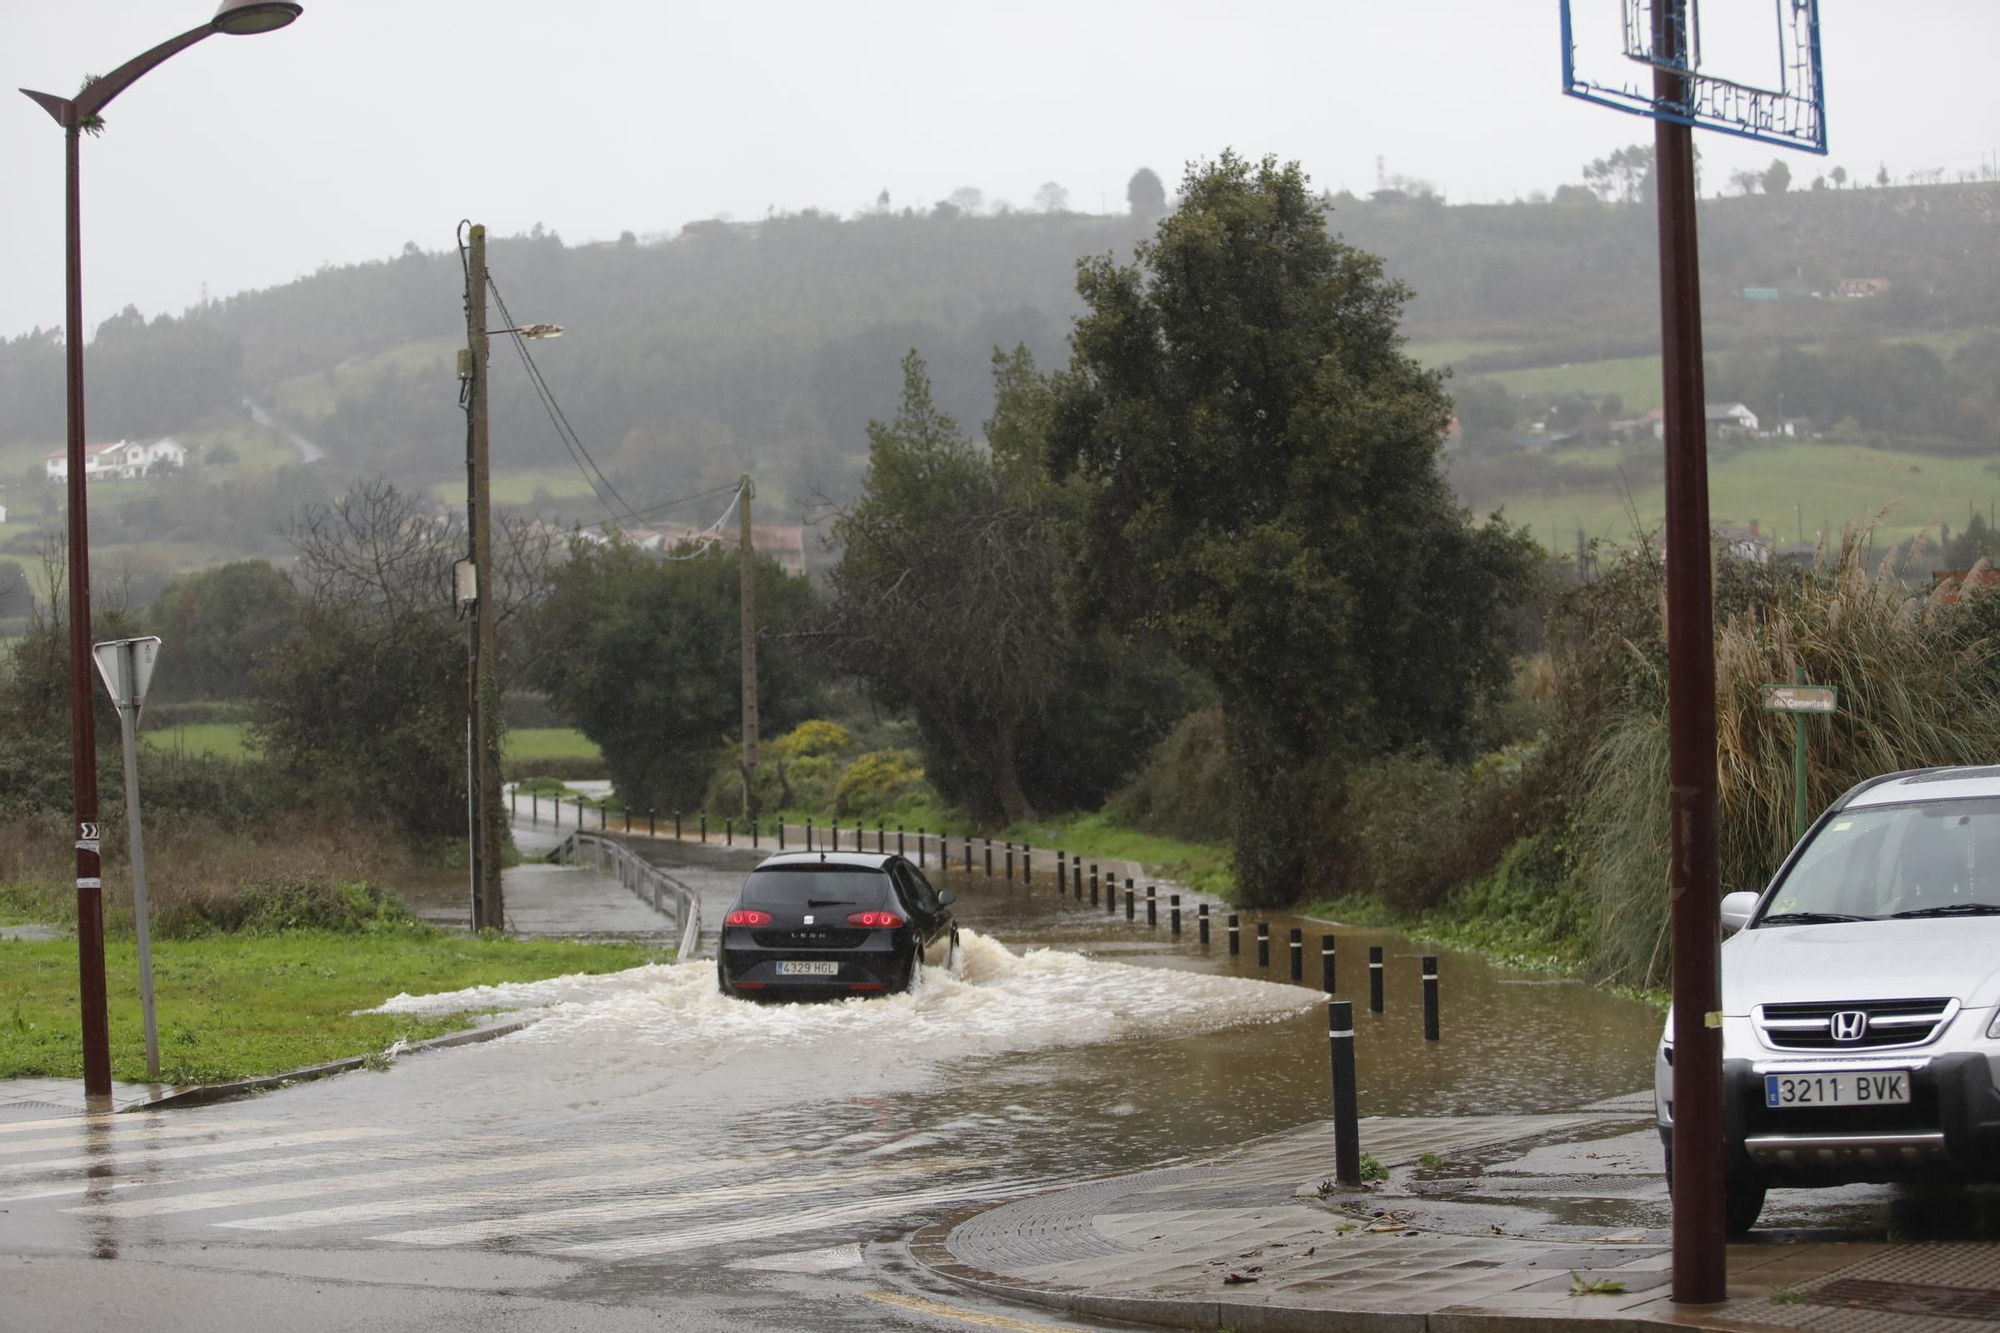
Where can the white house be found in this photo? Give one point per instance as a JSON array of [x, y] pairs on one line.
[[123, 459], [1733, 415]]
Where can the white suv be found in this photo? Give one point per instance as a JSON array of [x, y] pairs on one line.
[[1861, 997]]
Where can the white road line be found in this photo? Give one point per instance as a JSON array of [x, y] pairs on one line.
[[94, 1135], [312, 1187], [625, 1210], [58, 1121], [979, 1318], [139, 1155], [790, 1225], [376, 1210], [206, 1172]]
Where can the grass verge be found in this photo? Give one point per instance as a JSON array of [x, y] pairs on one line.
[[1203, 867], [239, 1006]]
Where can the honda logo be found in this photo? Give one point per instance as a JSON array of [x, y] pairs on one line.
[[1849, 1024]]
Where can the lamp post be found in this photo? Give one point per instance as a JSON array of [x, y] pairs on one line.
[[78, 115], [489, 906]]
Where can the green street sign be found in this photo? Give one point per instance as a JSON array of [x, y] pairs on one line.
[[1801, 699]]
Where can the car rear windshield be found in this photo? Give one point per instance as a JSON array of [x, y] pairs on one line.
[[815, 885], [1889, 860]]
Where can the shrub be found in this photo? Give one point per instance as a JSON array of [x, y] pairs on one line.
[[815, 738], [876, 781], [1182, 790], [285, 902]]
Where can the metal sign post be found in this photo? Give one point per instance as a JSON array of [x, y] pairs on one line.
[[1798, 700], [126, 667]]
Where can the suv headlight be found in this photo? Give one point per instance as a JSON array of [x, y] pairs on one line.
[[1993, 1028]]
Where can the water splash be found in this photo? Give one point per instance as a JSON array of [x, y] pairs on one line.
[[996, 1001]]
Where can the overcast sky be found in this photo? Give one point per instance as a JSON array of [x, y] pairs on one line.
[[246, 162]]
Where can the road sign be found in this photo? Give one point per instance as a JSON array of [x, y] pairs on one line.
[[1801, 699], [126, 680]]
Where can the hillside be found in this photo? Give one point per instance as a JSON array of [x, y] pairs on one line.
[[767, 347]]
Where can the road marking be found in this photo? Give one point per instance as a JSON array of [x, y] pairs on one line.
[[102, 1135], [377, 1210], [765, 1225], [144, 1155], [943, 1311], [293, 1189], [344, 1159], [625, 1210], [832, 1259]]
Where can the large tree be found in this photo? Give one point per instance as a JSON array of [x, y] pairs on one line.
[[650, 662], [214, 625], [1264, 487]]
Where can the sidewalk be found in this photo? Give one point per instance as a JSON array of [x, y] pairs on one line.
[[1463, 1236]]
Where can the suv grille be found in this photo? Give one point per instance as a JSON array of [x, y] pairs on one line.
[[1858, 1025]]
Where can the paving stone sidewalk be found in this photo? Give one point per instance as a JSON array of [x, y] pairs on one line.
[[1253, 1241]]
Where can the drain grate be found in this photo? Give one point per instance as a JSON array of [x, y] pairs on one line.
[[1910, 1298], [35, 1110]]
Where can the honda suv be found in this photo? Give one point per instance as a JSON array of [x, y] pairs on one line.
[[1861, 998]]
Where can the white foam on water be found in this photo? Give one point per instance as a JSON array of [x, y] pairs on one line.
[[1002, 1002]]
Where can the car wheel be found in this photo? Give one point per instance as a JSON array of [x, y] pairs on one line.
[[1742, 1198], [954, 956], [914, 974]]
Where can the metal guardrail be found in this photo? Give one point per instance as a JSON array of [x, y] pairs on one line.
[[648, 883]]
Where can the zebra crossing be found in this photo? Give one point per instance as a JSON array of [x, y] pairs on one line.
[[591, 1196]]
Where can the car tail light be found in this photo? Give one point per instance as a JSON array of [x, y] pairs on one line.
[[874, 920], [744, 916]]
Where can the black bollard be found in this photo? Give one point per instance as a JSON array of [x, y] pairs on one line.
[[921, 860], [1152, 907], [1027, 864], [1076, 879], [535, 806], [1010, 863], [557, 803], [1346, 1099], [1201, 922], [881, 850], [809, 833], [753, 832], [1062, 874], [1174, 915], [1326, 977], [1235, 937], [1374, 978], [781, 833], [514, 802], [704, 826], [600, 814], [1298, 954], [968, 854], [833, 834], [652, 827], [677, 826], [899, 840], [628, 819], [989, 858], [729, 832], [1093, 887], [1263, 944], [1430, 997]]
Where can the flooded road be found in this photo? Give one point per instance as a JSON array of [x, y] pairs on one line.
[[651, 1142]]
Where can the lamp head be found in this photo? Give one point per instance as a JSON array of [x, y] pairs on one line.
[[244, 18], [540, 331]]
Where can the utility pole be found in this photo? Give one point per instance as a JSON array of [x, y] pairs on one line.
[[748, 596], [489, 909], [1694, 876]]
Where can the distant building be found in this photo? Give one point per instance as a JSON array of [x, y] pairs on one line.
[[1729, 416], [1863, 286], [786, 545], [123, 460], [1761, 294]]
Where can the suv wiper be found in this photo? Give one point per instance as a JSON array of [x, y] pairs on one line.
[[1809, 919], [1955, 909]]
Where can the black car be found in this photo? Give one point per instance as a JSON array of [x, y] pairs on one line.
[[818, 924]]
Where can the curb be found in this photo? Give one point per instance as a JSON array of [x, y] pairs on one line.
[[204, 1093]]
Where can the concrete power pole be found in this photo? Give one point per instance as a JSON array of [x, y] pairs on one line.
[[489, 908], [748, 586]]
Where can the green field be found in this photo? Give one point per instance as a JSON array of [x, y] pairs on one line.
[[1832, 484], [224, 740], [313, 395], [549, 743], [517, 486], [1635, 379], [237, 1006]]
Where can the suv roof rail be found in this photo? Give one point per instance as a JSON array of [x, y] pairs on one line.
[[1868, 783]]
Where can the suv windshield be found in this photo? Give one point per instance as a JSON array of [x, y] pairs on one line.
[[814, 885], [1938, 858]]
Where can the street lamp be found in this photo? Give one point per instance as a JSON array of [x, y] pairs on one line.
[[237, 18]]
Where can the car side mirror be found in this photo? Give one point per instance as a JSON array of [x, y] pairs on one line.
[[1736, 910], [947, 898]]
